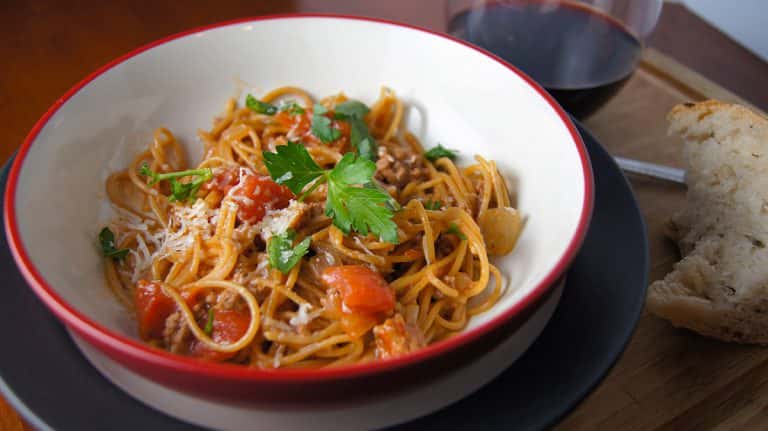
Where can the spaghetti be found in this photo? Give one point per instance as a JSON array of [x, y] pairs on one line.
[[232, 262]]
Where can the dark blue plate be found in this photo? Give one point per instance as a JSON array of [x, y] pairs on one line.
[[46, 378]]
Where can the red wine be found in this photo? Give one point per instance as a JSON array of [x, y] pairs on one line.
[[580, 56]]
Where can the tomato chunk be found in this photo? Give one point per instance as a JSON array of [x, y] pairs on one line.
[[394, 337], [300, 123], [355, 324], [152, 308], [258, 194], [301, 126], [362, 289], [228, 327]]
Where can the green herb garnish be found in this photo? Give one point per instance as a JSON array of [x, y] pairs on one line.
[[107, 240], [353, 112], [282, 253], [439, 152], [209, 323], [292, 166], [180, 191], [362, 140], [292, 108], [350, 109], [432, 205], [260, 107], [321, 125], [354, 201], [454, 229]]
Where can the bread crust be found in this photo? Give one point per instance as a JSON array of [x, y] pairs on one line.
[[720, 286]]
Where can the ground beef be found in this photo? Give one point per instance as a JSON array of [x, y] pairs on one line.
[[210, 299], [399, 165], [313, 210], [318, 263], [176, 333], [227, 299], [444, 246], [394, 337]]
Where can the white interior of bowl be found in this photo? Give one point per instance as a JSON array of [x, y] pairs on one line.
[[456, 96]]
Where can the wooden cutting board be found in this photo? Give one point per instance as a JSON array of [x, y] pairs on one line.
[[668, 379]]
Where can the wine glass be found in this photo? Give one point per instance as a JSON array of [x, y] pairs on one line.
[[581, 51]]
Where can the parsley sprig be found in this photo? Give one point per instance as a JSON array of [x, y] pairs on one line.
[[351, 111], [359, 136], [282, 253], [260, 107], [292, 108], [454, 229], [107, 240], [180, 191], [354, 201], [439, 152], [432, 205], [321, 125], [209, 323]]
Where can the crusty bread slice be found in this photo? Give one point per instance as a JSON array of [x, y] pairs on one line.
[[720, 287]]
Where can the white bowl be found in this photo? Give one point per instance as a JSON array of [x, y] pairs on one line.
[[457, 95]]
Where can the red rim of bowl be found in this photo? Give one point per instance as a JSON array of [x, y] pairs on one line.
[[139, 352]]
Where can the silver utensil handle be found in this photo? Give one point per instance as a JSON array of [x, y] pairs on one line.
[[651, 170]]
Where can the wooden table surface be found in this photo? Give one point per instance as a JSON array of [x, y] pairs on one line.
[[668, 379]]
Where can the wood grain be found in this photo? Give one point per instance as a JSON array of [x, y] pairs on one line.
[[9, 420], [701, 47], [667, 379]]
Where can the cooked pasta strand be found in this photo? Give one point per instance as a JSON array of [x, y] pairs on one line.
[[209, 260]]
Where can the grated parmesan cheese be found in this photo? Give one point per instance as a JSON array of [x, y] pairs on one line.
[[244, 234], [185, 222], [249, 276], [302, 317], [188, 222], [276, 222], [128, 221], [242, 174], [143, 258], [292, 135], [262, 266], [242, 199]]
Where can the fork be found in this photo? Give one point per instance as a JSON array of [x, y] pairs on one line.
[[652, 170]]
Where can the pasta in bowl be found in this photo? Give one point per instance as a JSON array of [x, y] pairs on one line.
[[391, 264], [310, 234]]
